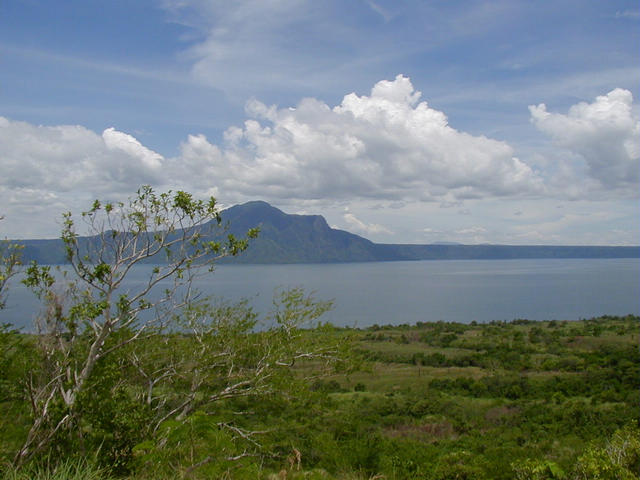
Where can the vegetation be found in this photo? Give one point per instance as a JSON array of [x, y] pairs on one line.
[[160, 383], [155, 376], [526, 400], [10, 255]]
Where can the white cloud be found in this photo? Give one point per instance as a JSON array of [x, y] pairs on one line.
[[47, 170], [605, 134], [357, 225], [384, 146], [387, 148], [115, 140], [68, 157]]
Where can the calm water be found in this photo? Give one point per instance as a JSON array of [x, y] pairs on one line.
[[409, 292]]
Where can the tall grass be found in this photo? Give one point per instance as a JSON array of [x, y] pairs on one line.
[[67, 470]]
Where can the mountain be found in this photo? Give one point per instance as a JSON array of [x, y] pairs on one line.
[[286, 238]]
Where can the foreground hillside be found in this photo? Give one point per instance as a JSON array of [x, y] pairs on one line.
[[500, 400], [526, 400]]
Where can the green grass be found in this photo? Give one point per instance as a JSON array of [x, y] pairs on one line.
[[66, 470]]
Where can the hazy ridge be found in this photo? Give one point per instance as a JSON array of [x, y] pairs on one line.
[[286, 238]]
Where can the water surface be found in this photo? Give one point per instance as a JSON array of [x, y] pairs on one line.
[[421, 291]]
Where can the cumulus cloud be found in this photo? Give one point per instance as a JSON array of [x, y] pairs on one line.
[[115, 140], [357, 225], [604, 133], [387, 145], [69, 157], [63, 167]]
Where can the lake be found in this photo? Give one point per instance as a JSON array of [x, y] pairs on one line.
[[421, 291]]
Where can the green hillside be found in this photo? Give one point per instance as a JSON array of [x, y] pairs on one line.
[[432, 401]]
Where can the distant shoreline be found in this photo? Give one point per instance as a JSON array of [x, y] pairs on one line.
[[52, 252]]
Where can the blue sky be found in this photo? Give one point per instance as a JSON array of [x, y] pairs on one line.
[[404, 121]]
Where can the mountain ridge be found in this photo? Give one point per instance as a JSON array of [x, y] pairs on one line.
[[291, 238]]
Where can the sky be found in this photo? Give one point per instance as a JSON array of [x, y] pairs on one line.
[[511, 122]]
